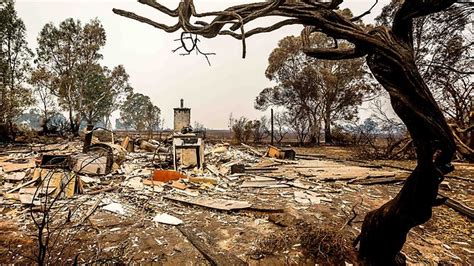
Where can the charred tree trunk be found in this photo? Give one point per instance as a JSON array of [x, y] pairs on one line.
[[327, 130], [384, 230]]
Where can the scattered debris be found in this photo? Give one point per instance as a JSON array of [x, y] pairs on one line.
[[458, 206], [226, 197], [14, 167], [178, 185], [213, 254], [309, 197], [218, 204]]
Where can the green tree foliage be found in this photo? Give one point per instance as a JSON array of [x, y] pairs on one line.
[[118, 90], [68, 64], [46, 100], [15, 96], [103, 91], [139, 112], [319, 91], [64, 52]]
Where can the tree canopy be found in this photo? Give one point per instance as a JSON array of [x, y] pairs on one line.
[[140, 113], [68, 63], [318, 90], [15, 57]]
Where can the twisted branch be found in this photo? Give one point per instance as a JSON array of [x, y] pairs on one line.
[[318, 14]]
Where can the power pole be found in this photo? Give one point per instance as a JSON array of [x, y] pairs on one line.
[[271, 121]]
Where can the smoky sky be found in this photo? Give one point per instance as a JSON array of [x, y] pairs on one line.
[[229, 85]]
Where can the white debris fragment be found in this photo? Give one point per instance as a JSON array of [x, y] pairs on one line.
[[135, 183], [88, 180], [115, 208], [309, 197], [165, 218]]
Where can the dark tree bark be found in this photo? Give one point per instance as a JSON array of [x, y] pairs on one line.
[[390, 55], [414, 104], [327, 129]]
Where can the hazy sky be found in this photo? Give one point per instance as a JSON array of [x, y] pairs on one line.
[[230, 85]]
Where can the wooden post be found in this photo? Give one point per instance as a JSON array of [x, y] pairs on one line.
[[271, 121]]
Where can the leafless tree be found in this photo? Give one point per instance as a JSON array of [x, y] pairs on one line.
[[56, 214], [281, 127], [260, 129]]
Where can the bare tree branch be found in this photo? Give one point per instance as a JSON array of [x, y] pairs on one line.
[[365, 13], [334, 53], [402, 24], [312, 13], [160, 7]]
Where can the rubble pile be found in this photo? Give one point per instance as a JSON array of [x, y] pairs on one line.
[[180, 200]]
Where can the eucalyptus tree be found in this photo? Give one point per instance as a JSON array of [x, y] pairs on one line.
[[15, 57]]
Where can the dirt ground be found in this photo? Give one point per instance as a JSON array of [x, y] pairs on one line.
[[309, 212]]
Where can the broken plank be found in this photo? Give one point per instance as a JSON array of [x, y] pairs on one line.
[[22, 185], [218, 204], [375, 181], [337, 178], [261, 169], [212, 253], [264, 184], [90, 211], [458, 206], [18, 176], [203, 179], [252, 150], [13, 167], [11, 196], [26, 199], [303, 157], [396, 167], [178, 185], [149, 182], [213, 170], [460, 178], [283, 161], [107, 189]]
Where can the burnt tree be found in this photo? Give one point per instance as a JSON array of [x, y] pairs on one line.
[[390, 56]]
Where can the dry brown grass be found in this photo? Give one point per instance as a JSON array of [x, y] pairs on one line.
[[324, 243]]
